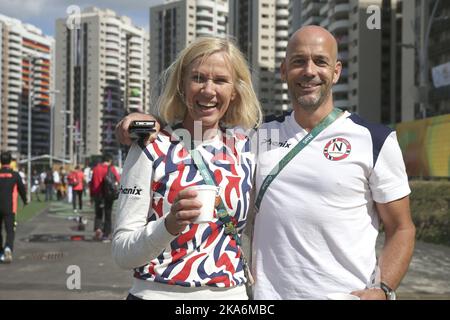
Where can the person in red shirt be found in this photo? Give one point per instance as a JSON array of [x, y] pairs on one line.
[[103, 203], [10, 186], [76, 180]]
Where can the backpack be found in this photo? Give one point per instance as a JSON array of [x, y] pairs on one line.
[[110, 186], [72, 179]]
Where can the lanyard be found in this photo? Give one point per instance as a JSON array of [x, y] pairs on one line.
[[324, 123], [222, 212]]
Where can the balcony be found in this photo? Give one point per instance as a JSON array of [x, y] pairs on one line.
[[205, 23], [325, 8], [344, 103], [340, 25], [204, 13], [282, 23], [340, 88], [282, 34], [312, 8], [113, 30], [284, 3], [205, 4], [281, 44], [112, 61], [134, 100], [280, 54], [136, 55], [341, 11], [136, 41], [282, 13], [313, 20]]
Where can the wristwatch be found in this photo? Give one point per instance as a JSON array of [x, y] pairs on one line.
[[390, 294]]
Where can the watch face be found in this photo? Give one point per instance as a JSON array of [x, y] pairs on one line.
[[392, 295]]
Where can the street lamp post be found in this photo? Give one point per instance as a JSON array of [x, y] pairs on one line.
[[31, 60], [423, 59], [65, 113], [53, 92]]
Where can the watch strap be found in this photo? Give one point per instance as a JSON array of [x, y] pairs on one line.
[[388, 291]]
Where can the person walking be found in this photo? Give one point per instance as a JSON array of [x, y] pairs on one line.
[[49, 186], [102, 199], [10, 184], [76, 181], [36, 185]]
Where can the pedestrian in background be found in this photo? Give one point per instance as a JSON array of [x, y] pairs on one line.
[[36, 186], [10, 183], [49, 185], [76, 181], [103, 202]]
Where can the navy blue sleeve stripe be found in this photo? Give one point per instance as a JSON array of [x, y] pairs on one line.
[[378, 132]]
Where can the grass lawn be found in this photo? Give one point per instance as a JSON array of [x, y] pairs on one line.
[[31, 209]]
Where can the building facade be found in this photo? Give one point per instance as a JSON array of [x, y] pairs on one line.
[[26, 73], [101, 74]]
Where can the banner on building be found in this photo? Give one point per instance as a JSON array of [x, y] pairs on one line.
[[441, 75]]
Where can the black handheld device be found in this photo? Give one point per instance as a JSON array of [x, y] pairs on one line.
[[140, 129]]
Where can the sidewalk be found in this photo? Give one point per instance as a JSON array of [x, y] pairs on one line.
[[50, 242], [47, 245]]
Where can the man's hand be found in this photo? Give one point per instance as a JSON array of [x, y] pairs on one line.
[[370, 294], [122, 133]]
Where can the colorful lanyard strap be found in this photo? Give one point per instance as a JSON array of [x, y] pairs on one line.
[[222, 212], [329, 119]]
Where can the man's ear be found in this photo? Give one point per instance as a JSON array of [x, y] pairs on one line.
[[283, 71], [337, 71]]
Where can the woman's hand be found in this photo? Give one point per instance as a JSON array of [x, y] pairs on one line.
[[185, 209], [122, 133]]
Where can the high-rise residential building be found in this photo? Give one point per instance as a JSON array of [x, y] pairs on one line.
[[281, 101], [101, 74], [26, 64], [175, 24], [426, 24], [261, 30]]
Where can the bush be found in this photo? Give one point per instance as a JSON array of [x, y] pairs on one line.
[[430, 209]]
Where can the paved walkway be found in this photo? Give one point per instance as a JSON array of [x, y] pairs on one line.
[[40, 266], [50, 243]]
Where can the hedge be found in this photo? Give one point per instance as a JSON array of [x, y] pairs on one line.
[[430, 209]]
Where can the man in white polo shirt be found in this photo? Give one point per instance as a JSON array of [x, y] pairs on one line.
[[318, 217], [318, 220]]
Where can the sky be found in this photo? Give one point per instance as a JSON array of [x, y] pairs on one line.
[[44, 13]]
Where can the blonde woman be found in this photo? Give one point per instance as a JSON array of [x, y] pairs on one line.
[[208, 89]]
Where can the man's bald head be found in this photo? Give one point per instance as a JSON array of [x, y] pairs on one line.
[[311, 68], [313, 34]]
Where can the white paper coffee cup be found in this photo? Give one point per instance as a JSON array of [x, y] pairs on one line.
[[206, 194], [342, 296]]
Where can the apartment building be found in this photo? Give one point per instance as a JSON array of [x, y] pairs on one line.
[[254, 25], [101, 73], [175, 24], [25, 65]]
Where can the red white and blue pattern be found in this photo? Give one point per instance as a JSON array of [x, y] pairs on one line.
[[202, 254]]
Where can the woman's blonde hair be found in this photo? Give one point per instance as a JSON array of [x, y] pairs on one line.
[[244, 110]]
